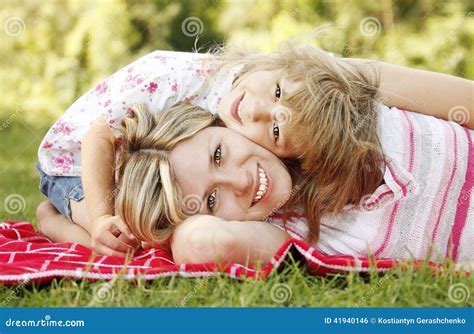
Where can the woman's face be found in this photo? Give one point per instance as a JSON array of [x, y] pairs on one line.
[[220, 172], [254, 109]]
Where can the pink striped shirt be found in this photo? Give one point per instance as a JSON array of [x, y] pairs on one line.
[[424, 209]]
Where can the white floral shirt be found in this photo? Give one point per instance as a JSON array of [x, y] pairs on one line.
[[160, 79]]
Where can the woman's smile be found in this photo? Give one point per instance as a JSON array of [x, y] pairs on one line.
[[263, 186]]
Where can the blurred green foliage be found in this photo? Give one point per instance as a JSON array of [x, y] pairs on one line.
[[52, 51]]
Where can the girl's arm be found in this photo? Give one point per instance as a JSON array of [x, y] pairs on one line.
[[202, 238], [426, 92], [98, 167]]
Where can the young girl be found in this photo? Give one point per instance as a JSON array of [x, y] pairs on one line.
[[255, 118]]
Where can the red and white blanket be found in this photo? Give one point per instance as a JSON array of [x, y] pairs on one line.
[[26, 256]]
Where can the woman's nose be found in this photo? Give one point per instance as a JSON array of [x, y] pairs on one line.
[[239, 182]]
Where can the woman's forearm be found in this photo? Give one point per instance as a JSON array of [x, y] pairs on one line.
[[436, 94], [208, 239], [98, 165]]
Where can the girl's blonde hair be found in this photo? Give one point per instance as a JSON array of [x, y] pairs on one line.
[[148, 199], [332, 125]]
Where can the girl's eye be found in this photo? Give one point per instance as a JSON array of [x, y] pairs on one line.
[[218, 156], [211, 201], [277, 91], [276, 132]]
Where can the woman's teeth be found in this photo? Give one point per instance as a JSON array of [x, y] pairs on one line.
[[263, 185], [238, 110]]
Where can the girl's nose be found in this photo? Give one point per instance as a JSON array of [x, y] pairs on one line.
[[259, 112]]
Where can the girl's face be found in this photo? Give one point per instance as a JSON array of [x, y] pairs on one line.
[[253, 109], [222, 173]]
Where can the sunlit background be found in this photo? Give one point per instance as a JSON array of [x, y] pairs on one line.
[[53, 51]]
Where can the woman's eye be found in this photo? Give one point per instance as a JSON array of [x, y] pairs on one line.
[[218, 156], [276, 132], [211, 200], [277, 91]]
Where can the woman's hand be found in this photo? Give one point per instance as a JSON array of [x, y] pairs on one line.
[[203, 238], [111, 236]]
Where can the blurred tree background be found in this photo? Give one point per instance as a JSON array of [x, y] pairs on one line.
[[52, 51]]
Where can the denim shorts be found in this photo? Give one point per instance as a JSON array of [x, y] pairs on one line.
[[60, 190]]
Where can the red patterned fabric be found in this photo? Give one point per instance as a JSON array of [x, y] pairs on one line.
[[26, 256]]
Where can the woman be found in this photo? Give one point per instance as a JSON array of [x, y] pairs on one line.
[[237, 185]]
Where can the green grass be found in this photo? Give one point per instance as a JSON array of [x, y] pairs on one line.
[[18, 147]]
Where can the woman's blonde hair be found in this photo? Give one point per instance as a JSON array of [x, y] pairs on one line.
[[148, 199], [332, 124]]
